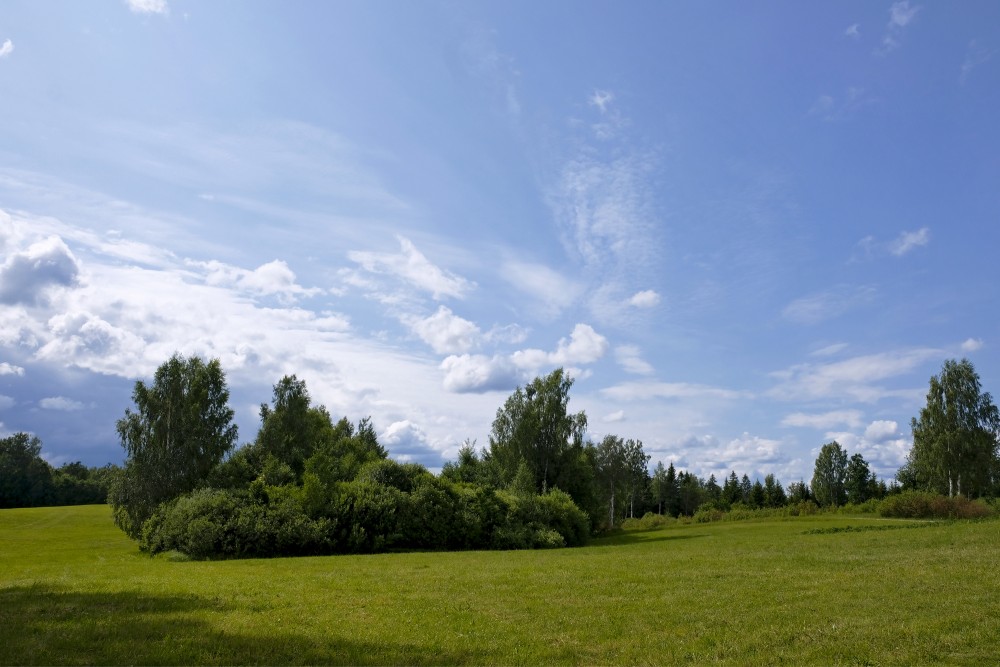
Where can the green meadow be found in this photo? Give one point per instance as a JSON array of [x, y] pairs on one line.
[[817, 590]]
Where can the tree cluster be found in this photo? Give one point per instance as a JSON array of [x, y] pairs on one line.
[[27, 480], [305, 485]]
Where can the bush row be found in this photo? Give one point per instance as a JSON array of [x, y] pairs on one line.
[[923, 505], [362, 516]]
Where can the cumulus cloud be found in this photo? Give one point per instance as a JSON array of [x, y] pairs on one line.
[[615, 417], [907, 241], [882, 430], [629, 357], [272, 279], [413, 268], [407, 442], [972, 345], [824, 420], [584, 346], [644, 299], [26, 276], [10, 369], [6, 48], [881, 444], [148, 6], [445, 332], [61, 403], [480, 373], [477, 373]]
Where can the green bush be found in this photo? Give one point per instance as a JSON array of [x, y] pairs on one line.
[[925, 505]]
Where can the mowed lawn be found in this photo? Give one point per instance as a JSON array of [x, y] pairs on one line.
[[75, 590]]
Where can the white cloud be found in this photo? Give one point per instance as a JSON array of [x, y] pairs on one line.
[[834, 302], [584, 346], [554, 291], [975, 55], [10, 369], [647, 390], [601, 99], [6, 402], [644, 299], [6, 48], [972, 345], [61, 403], [148, 6], [615, 417], [630, 359], [882, 430], [406, 440], [271, 279], [901, 14], [445, 332], [907, 241], [853, 378], [478, 373], [853, 31], [413, 268], [27, 276], [825, 420], [829, 350]]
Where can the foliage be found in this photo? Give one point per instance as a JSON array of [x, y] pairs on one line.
[[955, 439], [27, 480], [534, 427], [924, 505], [829, 475], [181, 428]]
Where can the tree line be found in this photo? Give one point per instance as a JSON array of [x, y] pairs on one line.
[[309, 484], [28, 480]]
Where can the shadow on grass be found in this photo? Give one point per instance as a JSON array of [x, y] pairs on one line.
[[640, 537], [41, 625]]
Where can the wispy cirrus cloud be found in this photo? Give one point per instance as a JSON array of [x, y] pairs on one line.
[[975, 55], [824, 420], [901, 15], [907, 241], [629, 357], [833, 108], [828, 304], [853, 31], [412, 268]]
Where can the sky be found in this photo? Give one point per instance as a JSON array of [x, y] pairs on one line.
[[744, 229]]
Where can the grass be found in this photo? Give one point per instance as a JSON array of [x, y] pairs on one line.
[[74, 590]]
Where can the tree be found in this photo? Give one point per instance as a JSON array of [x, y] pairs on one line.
[[859, 483], [612, 471], [774, 493], [535, 427], [955, 439], [25, 478], [732, 493], [637, 465], [829, 474], [181, 428], [658, 485]]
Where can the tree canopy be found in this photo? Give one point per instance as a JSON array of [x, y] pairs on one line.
[[181, 428], [955, 438]]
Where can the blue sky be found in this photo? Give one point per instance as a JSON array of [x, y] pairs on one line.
[[746, 229]]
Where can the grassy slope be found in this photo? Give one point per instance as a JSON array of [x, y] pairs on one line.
[[74, 590]]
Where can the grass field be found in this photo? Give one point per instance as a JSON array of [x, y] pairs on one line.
[[75, 590]]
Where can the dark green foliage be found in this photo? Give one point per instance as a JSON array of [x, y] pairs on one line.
[[181, 429], [27, 480], [860, 483]]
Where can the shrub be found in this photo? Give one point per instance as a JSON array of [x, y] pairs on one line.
[[924, 505]]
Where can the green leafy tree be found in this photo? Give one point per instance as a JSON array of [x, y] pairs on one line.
[[658, 486], [181, 428], [955, 439], [612, 472], [534, 426], [829, 475], [860, 483], [799, 492], [25, 478], [637, 479]]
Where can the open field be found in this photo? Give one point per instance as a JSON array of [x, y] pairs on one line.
[[74, 590]]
